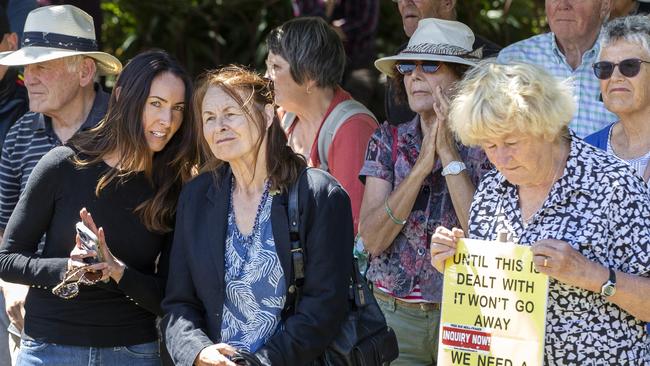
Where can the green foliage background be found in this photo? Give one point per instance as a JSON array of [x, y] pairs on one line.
[[204, 34]]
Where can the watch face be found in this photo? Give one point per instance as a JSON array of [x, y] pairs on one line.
[[455, 169], [609, 290]]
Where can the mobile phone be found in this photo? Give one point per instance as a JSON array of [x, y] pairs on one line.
[[89, 241]]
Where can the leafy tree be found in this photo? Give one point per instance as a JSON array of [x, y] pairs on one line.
[[206, 33]]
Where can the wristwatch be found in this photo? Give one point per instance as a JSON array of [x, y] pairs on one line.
[[454, 168], [609, 287]]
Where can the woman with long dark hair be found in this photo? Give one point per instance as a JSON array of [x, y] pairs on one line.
[[128, 171]]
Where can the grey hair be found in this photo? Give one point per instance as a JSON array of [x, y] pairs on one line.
[[72, 63], [312, 48], [633, 29]]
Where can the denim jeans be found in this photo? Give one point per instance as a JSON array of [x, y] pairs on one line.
[[34, 353], [416, 331]]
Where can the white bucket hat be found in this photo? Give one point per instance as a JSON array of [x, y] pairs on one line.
[[58, 31], [436, 40]]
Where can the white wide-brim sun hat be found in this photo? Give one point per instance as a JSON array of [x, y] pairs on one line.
[[435, 40], [58, 31]]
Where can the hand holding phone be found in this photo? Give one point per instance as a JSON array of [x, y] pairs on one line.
[[90, 242]]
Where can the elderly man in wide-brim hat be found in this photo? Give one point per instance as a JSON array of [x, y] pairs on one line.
[[61, 60], [416, 177]]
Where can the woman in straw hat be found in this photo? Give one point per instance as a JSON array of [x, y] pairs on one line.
[[128, 172], [416, 177]]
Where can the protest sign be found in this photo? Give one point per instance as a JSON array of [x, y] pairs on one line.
[[493, 306]]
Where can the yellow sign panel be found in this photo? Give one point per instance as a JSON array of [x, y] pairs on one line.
[[493, 306]]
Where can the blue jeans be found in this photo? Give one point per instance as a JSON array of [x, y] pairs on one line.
[[34, 353]]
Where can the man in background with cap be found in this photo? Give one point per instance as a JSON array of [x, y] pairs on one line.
[[13, 104], [567, 52], [61, 61]]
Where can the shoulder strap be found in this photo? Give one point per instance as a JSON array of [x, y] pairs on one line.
[[287, 121], [341, 113], [297, 252]]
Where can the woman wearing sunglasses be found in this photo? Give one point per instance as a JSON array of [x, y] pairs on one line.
[[416, 178], [128, 173], [624, 72], [582, 211]]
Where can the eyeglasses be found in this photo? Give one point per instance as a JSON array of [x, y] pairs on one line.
[[407, 67], [628, 68], [69, 286]]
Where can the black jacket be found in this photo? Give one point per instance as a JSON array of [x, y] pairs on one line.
[[194, 299], [13, 102]]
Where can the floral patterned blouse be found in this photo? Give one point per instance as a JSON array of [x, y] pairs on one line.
[[255, 285], [602, 209], [407, 262]]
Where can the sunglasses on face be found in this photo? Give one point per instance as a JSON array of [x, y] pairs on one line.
[[628, 68], [407, 67]]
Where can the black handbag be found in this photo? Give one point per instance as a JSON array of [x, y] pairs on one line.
[[364, 338]]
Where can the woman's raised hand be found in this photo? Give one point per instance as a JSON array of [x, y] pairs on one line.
[[112, 267], [443, 246], [445, 142]]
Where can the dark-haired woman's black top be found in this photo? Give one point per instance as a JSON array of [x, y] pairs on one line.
[[102, 315]]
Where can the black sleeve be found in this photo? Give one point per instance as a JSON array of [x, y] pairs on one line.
[[19, 262], [324, 301], [148, 290], [184, 323]]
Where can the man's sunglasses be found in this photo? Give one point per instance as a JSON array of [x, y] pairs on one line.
[[628, 68], [407, 67]]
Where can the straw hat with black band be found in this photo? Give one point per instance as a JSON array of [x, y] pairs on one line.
[[58, 31], [435, 40]]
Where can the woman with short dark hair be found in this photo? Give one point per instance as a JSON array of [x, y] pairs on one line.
[[128, 171], [306, 61], [232, 286]]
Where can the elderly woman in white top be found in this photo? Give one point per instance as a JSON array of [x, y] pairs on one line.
[[584, 212], [624, 76]]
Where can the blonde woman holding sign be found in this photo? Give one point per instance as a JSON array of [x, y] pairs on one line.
[[585, 214]]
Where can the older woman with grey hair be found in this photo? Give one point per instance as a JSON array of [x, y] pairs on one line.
[[584, 213], [324, 124], [625, 86]]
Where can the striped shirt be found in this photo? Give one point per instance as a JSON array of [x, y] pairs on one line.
[[31, 137], [542, 50]]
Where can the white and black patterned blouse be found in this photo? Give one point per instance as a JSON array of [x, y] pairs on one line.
[[602, 209]]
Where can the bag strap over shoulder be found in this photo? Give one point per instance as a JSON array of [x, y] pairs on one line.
[[297, 252], [341, 113], [287, 121], [359, 290]]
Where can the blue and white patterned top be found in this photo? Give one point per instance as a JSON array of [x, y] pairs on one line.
[[254, 278], [542, 50]]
